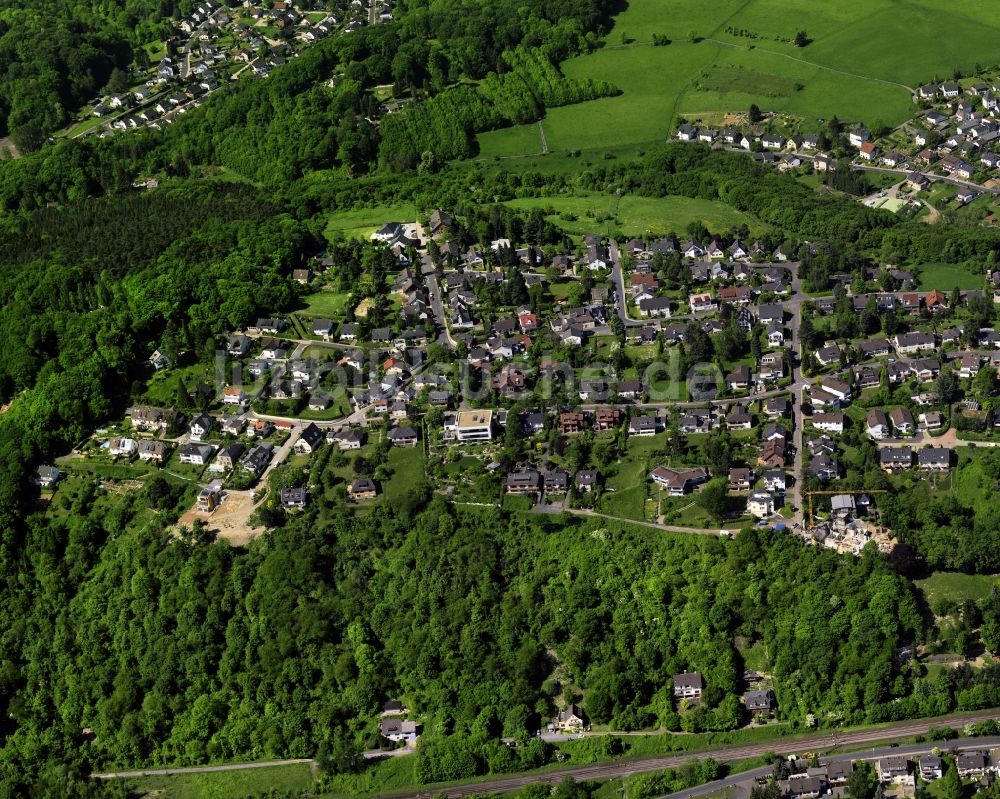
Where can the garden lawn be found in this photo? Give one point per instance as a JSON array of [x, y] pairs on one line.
[[407, 464], [326, 304], [945, 277], [362, 222]]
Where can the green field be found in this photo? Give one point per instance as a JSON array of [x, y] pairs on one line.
[[362, 222], [945, 277], [956, 586], [508, 142], [293, 780], [858, 66], [635, 216]]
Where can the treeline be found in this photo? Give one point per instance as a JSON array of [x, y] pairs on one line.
[[445, 125]]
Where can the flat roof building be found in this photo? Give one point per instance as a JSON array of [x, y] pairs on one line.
[[474, 425]]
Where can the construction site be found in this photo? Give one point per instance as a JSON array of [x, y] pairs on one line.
[[853, 522]]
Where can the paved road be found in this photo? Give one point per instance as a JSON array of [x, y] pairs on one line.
[[626, 768]]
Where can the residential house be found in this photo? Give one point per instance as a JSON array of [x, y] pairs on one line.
[[148, 419], [971, 765], [678, 481], [402, 436], [760, 504], [894, 459], [771, 367], [201, 425], [702, 303], [642, 426], [151, 451], [758, 702], [839, 389], [823, 467], [362, 488], [227, 457], [196, 454], [775, 407], [309, 440], [740, 478], [347, 439], [877, 424], [739, 378], [118, 447], [934, 459], [829, 422], [572, 422], [210, 497], [738, 419], [607, 418], [572, 719], [774, 480], [257, 458], [524, 481], [397, 730], [688, 685], [902, 421], [930, 767], [587, 479], [293, 498], [473, 426], [46, 476], [773, 453]]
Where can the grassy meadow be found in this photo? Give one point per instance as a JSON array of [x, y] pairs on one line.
[[631, 215], [729, 54]]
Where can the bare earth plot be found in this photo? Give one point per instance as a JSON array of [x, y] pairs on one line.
[[230, 521]]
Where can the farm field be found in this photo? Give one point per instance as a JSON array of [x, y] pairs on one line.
[[725, 57], [631, 215]]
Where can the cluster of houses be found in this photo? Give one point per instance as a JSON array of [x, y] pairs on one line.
[[897, 772], [957, 135], [215, 42], [758, 700]]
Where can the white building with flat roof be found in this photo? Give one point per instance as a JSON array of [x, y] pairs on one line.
[[474, 426]]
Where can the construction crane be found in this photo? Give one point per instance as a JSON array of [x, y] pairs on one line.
[[850, 492]]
